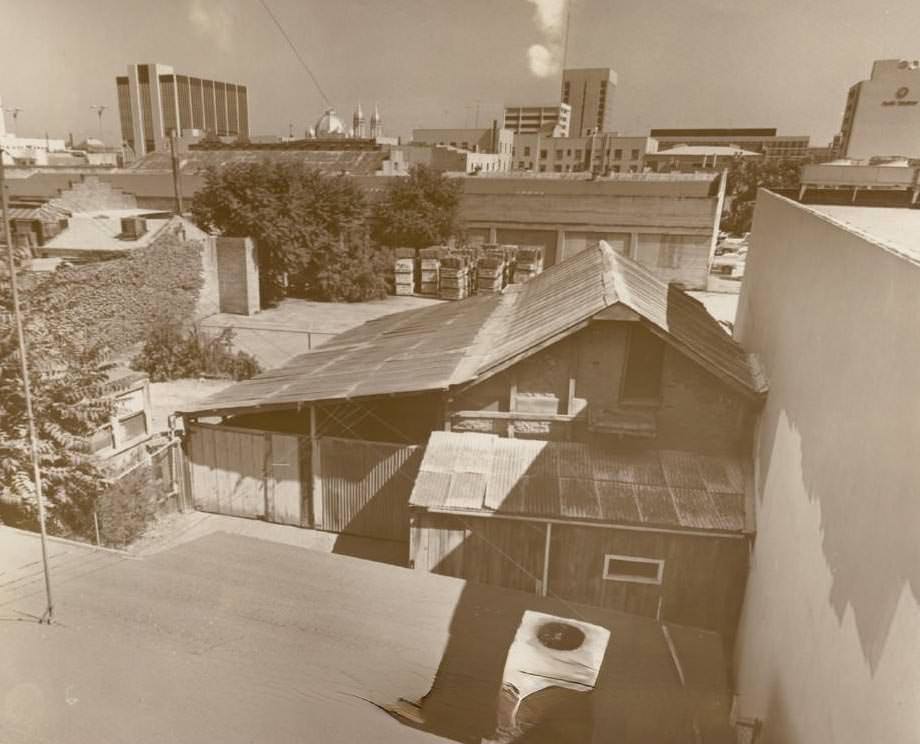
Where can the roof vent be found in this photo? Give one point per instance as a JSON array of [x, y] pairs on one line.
[[132, 228]]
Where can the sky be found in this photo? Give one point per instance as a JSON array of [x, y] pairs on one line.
[[432, 63]]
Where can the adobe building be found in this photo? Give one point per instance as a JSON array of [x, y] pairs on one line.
[[830, 633]]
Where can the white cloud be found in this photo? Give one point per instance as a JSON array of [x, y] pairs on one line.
[[545, 59], [210, 19], [542, 62]]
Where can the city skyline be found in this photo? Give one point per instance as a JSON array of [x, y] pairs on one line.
[[365, 51]]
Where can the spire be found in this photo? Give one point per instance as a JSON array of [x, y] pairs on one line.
[[359, 129], [376, 123]]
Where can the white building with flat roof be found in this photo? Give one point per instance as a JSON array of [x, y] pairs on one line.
[[882, 115]]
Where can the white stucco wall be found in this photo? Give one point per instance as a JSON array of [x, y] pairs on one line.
[[829, 642]]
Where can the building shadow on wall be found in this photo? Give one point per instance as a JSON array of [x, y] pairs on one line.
[[869, 509]]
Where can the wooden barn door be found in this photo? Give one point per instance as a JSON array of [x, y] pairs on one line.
[[284, 499], [227, 470], [366, 487]]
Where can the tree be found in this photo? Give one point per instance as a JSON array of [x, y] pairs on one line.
[[418, 210], [745, 176], [68, 377], [306, 225]]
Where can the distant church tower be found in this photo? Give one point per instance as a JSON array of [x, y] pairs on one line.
[[359, 126], [376, 123]]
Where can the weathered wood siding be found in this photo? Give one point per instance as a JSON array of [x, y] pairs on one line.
[[227, 470], [246, 473], [489, 551], [366, 487], [702, 583]]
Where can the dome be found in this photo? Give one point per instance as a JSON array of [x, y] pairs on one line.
[[330, 125]]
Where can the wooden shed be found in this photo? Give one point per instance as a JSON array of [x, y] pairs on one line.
[[661, 533]]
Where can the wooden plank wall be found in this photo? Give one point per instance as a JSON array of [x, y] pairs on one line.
[[702, 585], [366, 486], [227, 469], [490, 551]]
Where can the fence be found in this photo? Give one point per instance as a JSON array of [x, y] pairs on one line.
[[157, 484]]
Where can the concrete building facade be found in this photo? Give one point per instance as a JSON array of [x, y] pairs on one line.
[[830, 632], [589, 91], [760, 140], [153, 101], [493, 140], [598, 153], [882, 114], [553, 119]]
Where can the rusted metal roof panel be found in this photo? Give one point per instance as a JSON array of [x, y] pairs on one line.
[[572, 481], [454, 343]]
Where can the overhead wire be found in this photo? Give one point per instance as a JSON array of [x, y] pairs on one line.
[[296, 52]]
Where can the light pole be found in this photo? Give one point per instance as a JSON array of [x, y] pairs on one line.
[[99, 109], [15, 113]]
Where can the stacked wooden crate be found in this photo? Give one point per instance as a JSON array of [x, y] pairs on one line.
[[454, 277], [490, 274], [405, 271], [430, 268], [528, 262]]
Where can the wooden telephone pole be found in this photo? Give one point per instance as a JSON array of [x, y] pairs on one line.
[[48, 615]]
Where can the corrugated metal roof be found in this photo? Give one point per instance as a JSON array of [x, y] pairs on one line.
[[483, 473], [436, 348]]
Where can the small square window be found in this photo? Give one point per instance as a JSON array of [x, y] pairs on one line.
[[633, 569], [542, 154], [618, 154], [526, 152], [635, 155]]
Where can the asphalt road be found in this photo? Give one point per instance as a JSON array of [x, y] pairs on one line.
[[226, 639]]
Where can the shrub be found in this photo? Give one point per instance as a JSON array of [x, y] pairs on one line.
[[127, 507], [170, 354]]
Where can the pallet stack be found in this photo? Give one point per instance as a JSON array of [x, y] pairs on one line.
[[528, 263], [490, 275], [454, 278], [430, 269], [405, 272]]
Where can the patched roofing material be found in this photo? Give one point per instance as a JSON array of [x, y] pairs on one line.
[[483, 474], [437, 348]]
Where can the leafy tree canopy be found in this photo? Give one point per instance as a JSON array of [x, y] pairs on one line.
[[306, 225], [417, 211], [69, 377], [745, 176]]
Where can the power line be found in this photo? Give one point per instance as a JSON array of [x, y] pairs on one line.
[[294, 49]]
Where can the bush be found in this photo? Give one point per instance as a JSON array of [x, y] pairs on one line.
[[127, 507], [170, 354]]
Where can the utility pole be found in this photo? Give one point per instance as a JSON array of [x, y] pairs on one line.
[[177, 184], [99, 109], [48, 615]]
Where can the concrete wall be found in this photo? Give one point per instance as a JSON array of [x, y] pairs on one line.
[[238, 276], [830, 634]]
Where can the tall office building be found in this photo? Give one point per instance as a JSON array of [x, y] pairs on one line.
[[153, 102], [882, 115], [590, 94]]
